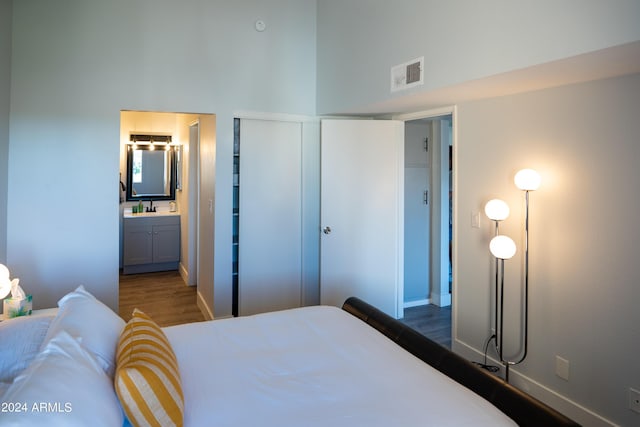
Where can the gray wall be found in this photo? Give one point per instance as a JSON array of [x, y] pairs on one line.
[[583, 139], [76, 64], [461, 41], [5, 98], [580, 137], [74, 68]]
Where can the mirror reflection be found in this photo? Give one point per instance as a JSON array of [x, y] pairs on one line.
[[151, 172]]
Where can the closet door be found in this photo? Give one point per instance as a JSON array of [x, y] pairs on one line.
[[270, 216]]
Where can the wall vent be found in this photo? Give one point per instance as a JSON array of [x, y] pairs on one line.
[[407, 75]]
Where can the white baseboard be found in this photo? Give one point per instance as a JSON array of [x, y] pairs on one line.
[[204, 308], [416, 303], [441, 300], [445, 300], [183, 273], [571, 409]]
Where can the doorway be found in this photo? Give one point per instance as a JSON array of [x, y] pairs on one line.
[[428, 271], [192, 134], [193, 182]]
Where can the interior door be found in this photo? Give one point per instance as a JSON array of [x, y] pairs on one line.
[[270, 224], [362, 203]]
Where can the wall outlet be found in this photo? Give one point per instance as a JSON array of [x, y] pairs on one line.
[[634, 400], [562, 368]]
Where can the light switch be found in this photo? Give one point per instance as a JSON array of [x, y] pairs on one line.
[[475, 219]]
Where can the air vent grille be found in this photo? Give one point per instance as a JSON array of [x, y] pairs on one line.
[[413, 72], [407, 75]]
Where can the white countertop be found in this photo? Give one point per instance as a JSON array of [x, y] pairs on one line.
[[128, 214]]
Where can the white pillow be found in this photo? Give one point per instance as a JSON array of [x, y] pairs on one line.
[[20, 341], [94, 324], [64, 386]]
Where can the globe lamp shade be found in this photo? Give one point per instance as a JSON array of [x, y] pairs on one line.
[[528, 180], [496, 210], [502, 247]]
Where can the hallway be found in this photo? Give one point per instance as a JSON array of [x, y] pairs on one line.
[[163, 296]]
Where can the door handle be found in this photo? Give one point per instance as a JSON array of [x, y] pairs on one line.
[[326, 230]]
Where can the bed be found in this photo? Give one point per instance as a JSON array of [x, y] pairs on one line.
[[312, 366]]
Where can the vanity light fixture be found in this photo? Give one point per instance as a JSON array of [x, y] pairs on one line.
[[145, 139]]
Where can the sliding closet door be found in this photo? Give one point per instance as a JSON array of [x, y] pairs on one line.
[[270, 223]]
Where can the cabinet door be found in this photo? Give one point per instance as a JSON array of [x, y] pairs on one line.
[[138, 246], [166, 243]]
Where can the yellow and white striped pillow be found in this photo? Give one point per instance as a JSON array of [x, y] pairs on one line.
[[147, 378]]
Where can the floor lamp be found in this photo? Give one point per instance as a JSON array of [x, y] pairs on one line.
[[502, 248], [526, 180], [496, 210]]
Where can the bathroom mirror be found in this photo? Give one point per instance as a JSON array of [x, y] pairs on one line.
[[151, 172]]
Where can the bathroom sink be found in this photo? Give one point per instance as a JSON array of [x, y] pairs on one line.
[[128, 214]]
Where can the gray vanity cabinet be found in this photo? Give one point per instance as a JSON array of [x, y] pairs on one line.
[[151, 243]]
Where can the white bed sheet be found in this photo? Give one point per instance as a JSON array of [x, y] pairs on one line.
[[314, 366]]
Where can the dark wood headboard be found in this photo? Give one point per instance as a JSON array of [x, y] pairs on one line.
[[525, 410]]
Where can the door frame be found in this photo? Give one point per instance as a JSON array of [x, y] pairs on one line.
[[194, 204], [434, 113]]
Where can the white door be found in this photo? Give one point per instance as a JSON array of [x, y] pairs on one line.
[[362, 212], [270, 227]]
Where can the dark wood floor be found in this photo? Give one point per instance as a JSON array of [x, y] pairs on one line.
[[164, 296], [432, 321]]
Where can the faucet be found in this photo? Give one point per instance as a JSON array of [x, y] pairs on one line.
[[151, 208]]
